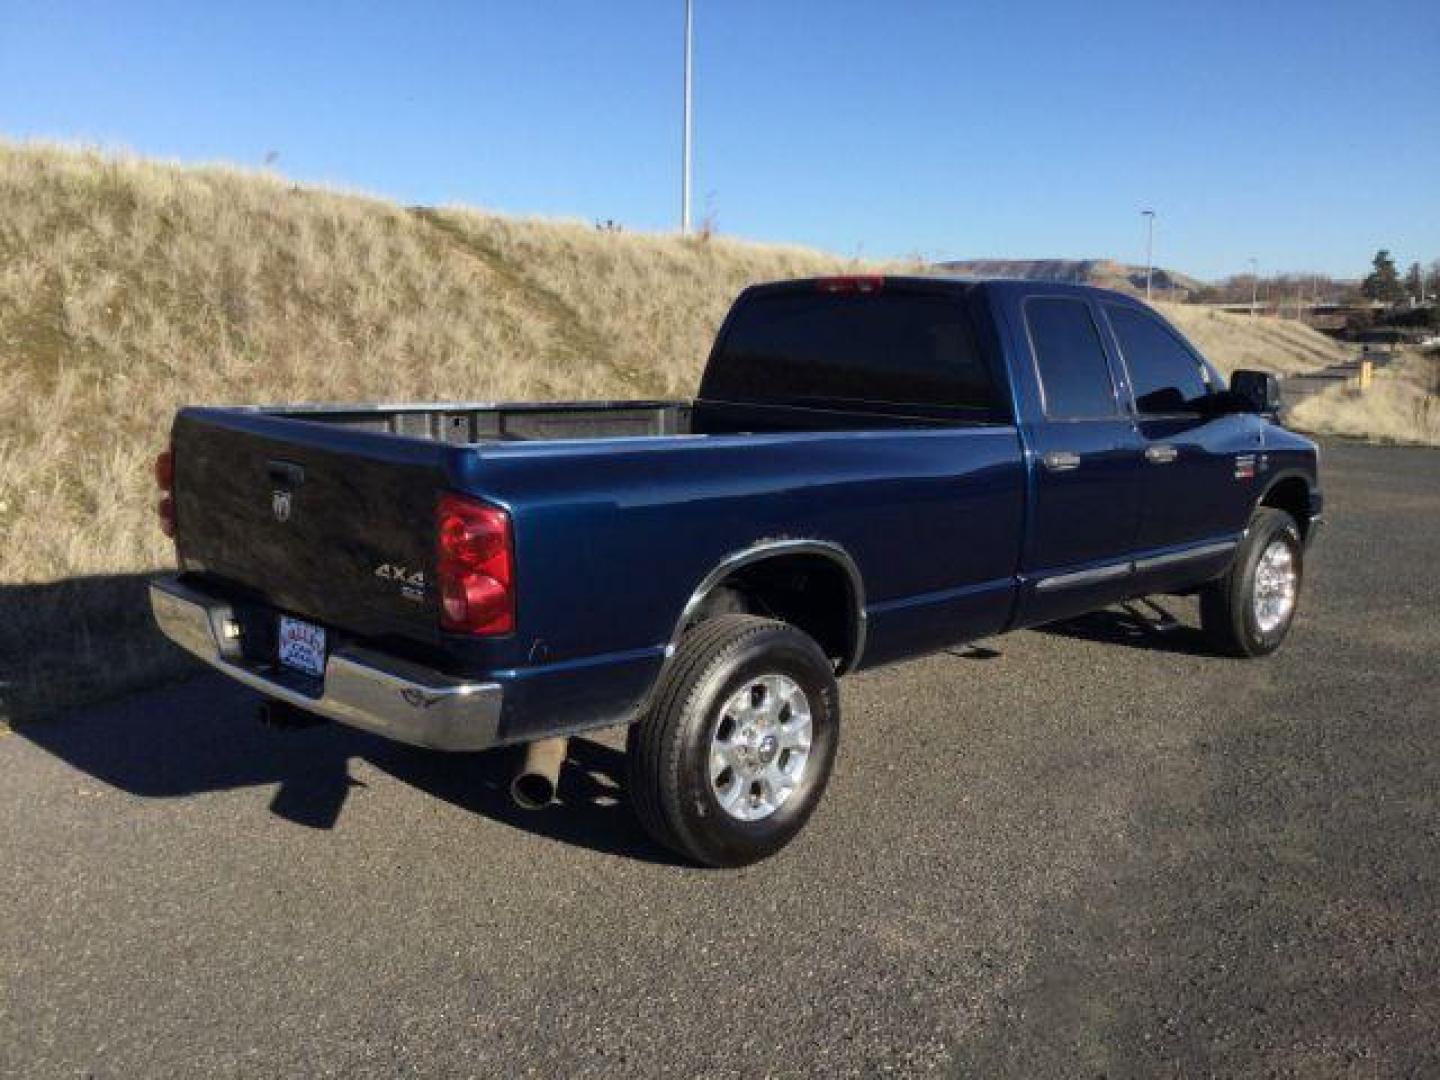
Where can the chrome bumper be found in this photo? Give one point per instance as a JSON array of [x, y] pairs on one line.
[[364, 689]]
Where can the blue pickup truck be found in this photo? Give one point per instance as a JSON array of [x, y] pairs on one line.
[[873, 468]]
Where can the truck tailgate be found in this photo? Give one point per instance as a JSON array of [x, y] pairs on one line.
[[332, 525]]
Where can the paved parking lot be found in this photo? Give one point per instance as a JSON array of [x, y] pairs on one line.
[[1091, 849]]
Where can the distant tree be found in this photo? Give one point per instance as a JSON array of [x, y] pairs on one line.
[[1432, 281], [1383, 283]]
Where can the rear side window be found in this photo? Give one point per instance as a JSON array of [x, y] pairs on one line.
[[887, 348], [1074, 376], [1166, 376]]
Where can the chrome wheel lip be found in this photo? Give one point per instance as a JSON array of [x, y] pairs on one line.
[[760, 746], [1276, 586]]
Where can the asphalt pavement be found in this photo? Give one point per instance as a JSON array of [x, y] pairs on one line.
[[1094, 849]]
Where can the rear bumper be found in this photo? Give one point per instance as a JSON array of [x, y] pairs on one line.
[[364, 689]]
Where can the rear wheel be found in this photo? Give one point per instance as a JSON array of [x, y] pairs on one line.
[[732, 758], [1249, 611]]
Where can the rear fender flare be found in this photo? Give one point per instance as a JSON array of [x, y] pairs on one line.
[[772, 549], [759, 552]]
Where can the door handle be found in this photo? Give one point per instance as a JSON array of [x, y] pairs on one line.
[[1161, 454], [1061, 460]]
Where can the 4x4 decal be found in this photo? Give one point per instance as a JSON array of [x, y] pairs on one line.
[[412, 582]]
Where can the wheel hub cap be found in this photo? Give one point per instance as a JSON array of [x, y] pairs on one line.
[[1277, 581], [760, 747]]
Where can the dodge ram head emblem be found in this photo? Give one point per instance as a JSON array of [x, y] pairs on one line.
[[280, 504]]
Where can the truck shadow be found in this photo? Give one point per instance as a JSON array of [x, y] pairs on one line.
[[203, 736], [77, 640], [1136, 625]]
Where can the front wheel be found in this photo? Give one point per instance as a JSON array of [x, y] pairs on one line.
[[732, 757], [1249, 611]]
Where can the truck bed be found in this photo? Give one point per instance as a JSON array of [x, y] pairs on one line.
[[466, 423], [326, 513], [471, 422]]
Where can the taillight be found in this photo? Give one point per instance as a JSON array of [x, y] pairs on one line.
[[165, 470], [476, 566], [851, 283], [165, 481]]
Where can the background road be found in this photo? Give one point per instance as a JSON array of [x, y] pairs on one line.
[[1091, 849]]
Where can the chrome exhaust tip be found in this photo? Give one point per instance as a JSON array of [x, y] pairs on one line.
[[535, 784]]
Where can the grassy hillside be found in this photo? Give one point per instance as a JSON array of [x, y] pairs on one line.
[[130, 287], [1282, 346]]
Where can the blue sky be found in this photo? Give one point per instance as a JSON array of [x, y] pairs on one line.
[[1306, 134]]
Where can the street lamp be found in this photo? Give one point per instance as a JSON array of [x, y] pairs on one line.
[[685, 139], [1254, 284], [1149, 216]]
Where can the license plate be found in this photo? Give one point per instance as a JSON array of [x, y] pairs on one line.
[[302, 646]]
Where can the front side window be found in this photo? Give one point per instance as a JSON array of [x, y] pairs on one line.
[[1166, 376], [1074, 376]]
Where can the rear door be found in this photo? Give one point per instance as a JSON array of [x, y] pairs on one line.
[[1197, 466], [1085, 500]]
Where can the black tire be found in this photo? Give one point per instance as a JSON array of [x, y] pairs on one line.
[[1227, 608], [668, 749]]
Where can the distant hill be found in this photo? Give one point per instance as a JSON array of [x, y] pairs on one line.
[[1106, 273]]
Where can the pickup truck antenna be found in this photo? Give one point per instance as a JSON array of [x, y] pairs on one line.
[[1149, 216]]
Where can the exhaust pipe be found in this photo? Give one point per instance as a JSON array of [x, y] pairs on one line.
[[535, 784]]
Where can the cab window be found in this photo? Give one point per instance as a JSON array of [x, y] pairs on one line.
[[890, 348], [1164, 374], [1074, 374]]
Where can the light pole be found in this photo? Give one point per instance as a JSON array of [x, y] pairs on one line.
[[1149, 216], [685, 138], [1254, 284]]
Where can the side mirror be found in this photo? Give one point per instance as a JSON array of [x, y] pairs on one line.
[[1256, 391]]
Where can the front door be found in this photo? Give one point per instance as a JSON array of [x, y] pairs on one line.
[[1197, 465], [1086, 494]]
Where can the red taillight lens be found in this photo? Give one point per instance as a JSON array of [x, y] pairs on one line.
[[851, 283], [165, 470], [476, 567], [165, 481]]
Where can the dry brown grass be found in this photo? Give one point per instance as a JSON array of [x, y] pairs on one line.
[[130, 287], [1402, 405]]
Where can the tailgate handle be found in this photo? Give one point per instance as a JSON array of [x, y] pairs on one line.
[[285, 473]]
